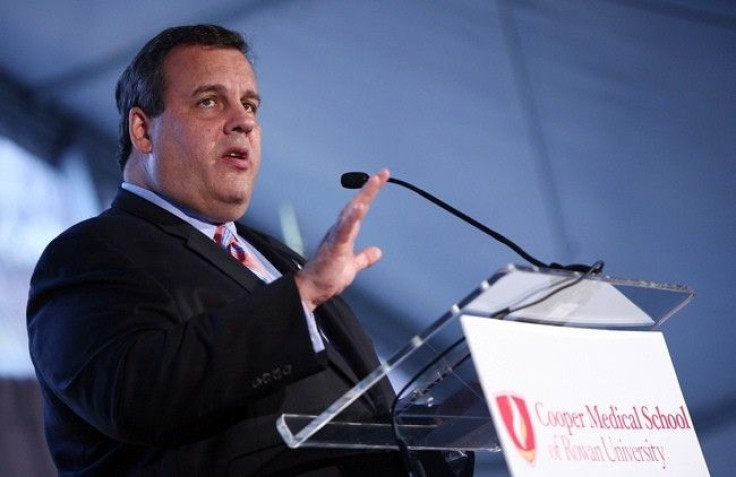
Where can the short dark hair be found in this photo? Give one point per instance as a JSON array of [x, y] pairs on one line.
[[142, 82]]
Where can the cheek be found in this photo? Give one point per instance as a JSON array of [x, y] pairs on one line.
[[255, 144], [188, 135]]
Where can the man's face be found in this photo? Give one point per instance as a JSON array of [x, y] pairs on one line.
[[206, 145]]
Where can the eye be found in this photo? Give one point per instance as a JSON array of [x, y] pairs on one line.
[[250, 106], [208, 102]]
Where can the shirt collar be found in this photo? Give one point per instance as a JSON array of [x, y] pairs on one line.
[[207, 228]]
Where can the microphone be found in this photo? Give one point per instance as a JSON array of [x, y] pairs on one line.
[[355, 180]]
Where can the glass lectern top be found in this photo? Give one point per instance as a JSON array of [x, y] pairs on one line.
[[440, 404]]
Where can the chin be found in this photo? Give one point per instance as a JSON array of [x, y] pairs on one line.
[[234, 210]]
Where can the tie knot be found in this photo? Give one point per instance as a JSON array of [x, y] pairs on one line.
[[223, 236], [227, 240]]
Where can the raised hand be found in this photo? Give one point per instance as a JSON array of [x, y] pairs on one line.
[[335, 265]]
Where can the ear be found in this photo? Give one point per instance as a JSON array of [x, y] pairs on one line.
[[139, 128]]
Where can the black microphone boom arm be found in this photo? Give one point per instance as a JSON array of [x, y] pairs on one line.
[[355, 180]]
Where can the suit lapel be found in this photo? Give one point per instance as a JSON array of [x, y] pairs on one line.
[[283, 258], [210, 251], [196, 241]]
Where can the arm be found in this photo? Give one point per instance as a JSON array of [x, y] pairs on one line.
[[113, 340], [117, 337]]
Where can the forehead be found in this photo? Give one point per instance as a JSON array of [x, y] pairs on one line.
[[190, 66]]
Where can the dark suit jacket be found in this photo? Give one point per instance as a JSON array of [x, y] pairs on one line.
[[159, 354]]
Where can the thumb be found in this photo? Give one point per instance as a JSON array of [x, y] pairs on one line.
[[367, 258]]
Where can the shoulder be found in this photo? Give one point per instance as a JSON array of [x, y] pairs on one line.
[[111, 238], [107, 226]]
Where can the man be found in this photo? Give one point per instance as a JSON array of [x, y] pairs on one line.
[[158, 351]]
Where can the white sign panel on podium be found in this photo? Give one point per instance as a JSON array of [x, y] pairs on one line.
[[582, 402]]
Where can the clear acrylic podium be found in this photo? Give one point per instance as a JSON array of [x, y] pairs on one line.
[[440, 405]]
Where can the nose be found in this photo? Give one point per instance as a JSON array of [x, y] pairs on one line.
[[240, 120]]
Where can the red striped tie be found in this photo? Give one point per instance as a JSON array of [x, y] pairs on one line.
[[225, 239]]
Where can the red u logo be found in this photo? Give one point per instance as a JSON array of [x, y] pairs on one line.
[[518, 424]]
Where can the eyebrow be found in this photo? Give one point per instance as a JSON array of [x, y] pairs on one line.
[[218, 88]]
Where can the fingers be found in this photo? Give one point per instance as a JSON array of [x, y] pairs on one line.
[[348, 223], [370, 189], [335, 264], [367, 258]]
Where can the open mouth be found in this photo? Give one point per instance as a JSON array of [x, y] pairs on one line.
[[237, 157], [237, 154]]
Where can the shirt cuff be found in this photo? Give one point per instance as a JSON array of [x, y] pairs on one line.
[[317, 343]]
